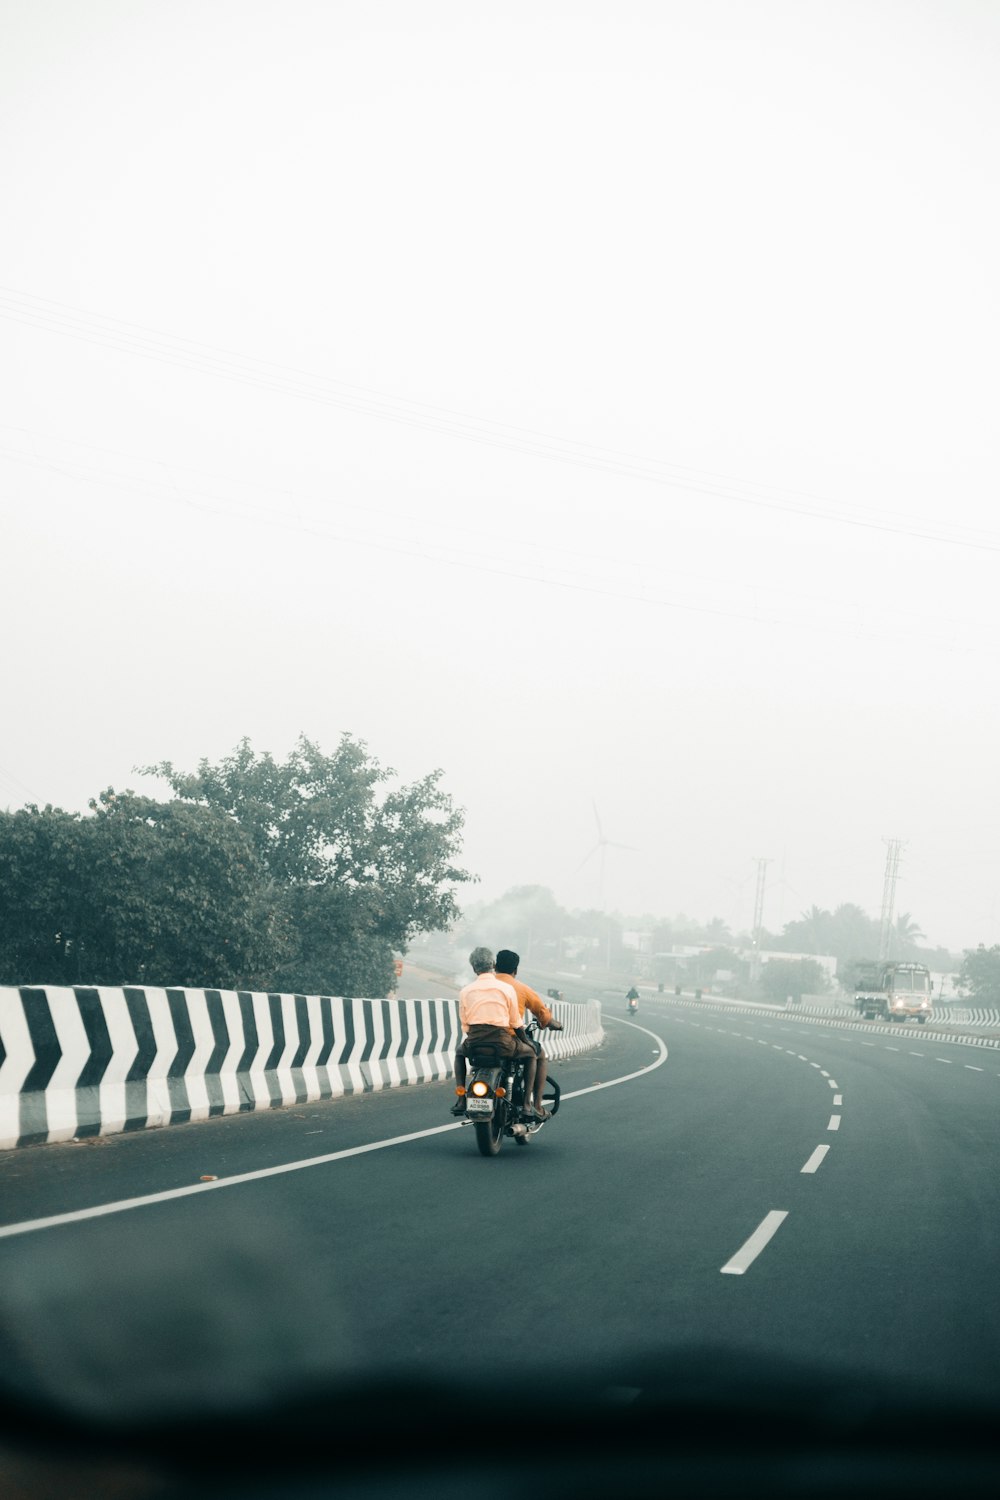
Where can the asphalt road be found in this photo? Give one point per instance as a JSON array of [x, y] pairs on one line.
[[748, 1183]]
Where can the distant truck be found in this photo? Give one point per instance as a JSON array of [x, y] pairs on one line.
[[893, 992]]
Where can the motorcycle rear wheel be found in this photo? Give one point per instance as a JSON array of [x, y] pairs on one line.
[[551, 1096], [489, 1133]]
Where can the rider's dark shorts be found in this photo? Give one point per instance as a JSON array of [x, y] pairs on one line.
[[499, 1038]]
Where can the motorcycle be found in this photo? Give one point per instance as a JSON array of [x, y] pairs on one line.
[[494, 1098], [633, 1006]]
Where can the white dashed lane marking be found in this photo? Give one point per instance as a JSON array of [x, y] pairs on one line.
[[749, 1251], [764, 1233]]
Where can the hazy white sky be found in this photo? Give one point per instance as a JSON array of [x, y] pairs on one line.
[[597, 401]]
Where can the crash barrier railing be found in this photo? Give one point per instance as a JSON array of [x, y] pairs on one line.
[[87, 1061], [944, 1012], [843, 1021]]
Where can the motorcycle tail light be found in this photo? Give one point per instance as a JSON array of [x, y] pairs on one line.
[[480, 1089]]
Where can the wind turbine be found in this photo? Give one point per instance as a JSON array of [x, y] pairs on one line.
[[601, 847]]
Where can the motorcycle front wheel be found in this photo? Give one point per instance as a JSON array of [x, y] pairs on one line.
[[489, 1133]]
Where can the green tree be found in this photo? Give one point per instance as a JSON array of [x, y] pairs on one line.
[[905, 933], [527, 918], [186, 899], [842, 933], [979, 976], [854, 931], [45, 904], [809, 933], [139, 891], [357, 869], [781, 977]]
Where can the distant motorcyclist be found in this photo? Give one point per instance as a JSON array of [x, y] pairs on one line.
[[632, 999]]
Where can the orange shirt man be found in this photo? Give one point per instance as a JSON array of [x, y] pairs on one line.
[[489, 1013], [529, 999]]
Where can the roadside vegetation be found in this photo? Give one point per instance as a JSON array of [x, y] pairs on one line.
[[644, 946], [303, 876]]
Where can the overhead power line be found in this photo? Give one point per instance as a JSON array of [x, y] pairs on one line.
[[465, 548], [130, 338]]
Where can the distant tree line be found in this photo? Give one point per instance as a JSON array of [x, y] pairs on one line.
[[532, 916], [300, 876]]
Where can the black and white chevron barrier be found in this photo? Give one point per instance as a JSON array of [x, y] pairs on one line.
[[970, 1015], [96, 1061]]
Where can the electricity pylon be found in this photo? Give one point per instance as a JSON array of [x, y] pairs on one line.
[[758, 920], [893, 848]]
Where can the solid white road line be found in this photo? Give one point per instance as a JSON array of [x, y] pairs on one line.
[[125, 1205], [748, 1253], [815, 1159]]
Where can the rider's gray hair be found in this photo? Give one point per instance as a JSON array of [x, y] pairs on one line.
[[482, 960]]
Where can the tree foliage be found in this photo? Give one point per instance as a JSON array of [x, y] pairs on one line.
[[303, 876], [720, 960], [979, 976], [843, 933], [141, 891], [532, 920], [357, 868], [781, 977]]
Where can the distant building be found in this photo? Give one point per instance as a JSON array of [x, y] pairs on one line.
[[638, 942]]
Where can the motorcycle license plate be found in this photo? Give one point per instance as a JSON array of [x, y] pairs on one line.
[[479, 1106]]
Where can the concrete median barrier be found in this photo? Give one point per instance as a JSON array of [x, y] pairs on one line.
[[88, 1060]]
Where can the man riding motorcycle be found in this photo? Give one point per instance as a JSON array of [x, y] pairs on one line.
[[529, 999], [489, 1013]]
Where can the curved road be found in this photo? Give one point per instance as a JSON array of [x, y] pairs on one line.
[[719, 1180]]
